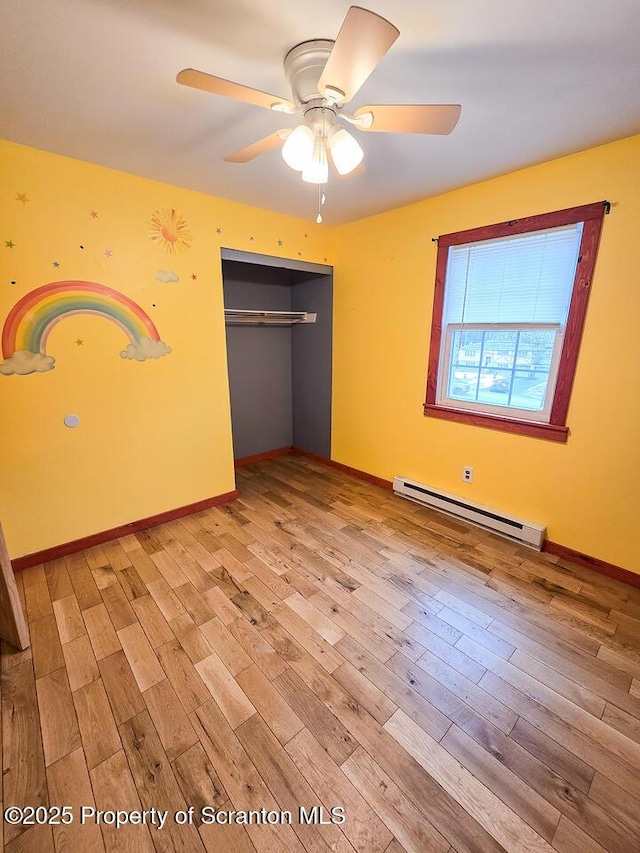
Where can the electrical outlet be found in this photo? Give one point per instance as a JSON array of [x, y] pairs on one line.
[[467, 475]]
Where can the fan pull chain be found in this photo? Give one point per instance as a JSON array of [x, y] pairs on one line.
[[321, 200]]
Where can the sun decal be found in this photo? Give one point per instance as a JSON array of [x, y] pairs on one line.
[[168, 229]]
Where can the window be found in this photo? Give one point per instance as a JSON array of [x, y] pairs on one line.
[[509, 307]]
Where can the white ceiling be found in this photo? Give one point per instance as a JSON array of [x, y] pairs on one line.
[[95, 80]]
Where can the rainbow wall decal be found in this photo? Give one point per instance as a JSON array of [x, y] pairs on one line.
[[29, 322]]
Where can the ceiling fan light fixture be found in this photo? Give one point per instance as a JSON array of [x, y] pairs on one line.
[[317, 169], [298, 150], [346, 151]]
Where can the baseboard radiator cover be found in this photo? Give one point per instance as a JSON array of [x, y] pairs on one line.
[[490, 519]]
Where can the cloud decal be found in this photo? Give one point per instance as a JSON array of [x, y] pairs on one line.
[[23, 361], [146, 348], [167, 276]]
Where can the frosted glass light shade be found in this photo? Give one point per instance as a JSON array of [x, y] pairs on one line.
[[317, 170], [297, 151], [346, 152]]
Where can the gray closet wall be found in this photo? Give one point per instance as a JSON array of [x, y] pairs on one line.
[[279, 377]]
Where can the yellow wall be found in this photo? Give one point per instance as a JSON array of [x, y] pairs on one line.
[[587, 492], [154, 435]]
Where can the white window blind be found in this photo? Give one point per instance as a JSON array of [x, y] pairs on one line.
[[522, 279]]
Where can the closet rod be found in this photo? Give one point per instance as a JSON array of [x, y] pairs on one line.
[[246, 317]]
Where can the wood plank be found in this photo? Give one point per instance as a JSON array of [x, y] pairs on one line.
[[69, 785], [172, 724], [142, 660], [401, 693], [198, 780], [85, 588], [98, 730], [232, 838], [308, 639], [168, 602], [131, 583], [102, 635], [553, 755], [80, 662], [23, 774], [569, 838], [168, 568], [381, 648], [269, 702], [229, 696], [413, 833], [258, 648], [364, 829], [37, 839], [195, 605], [241, 780], [156, 785], [190, 638], [315, 618], [589, 751], [37, 601], [289, 787], [317, 718], [60, 733], [68, 618], [226, 646], [511, 789], [189, 687], [45, 646], [364, 692], [222, 606], [58, 579], [122, 690], [500, 822], [117, 604]]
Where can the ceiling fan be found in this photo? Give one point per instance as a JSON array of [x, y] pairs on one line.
[[324, 76]]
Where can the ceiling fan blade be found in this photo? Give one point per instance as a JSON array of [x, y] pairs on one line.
[[219, 86], [363, 40], [262, 146], [406, 118]]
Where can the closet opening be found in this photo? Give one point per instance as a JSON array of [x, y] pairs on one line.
[[279, 328]]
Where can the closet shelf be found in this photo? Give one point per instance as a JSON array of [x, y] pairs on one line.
[[245, 317]]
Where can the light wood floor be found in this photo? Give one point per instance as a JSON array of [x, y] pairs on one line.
[[320, 641]]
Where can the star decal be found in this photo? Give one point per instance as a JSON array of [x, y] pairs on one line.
[[218, 230], [9, 244], [55, 264], [108, 253], [279, 242], [79, 342], [94, 214], [22, 197], [193, 276]]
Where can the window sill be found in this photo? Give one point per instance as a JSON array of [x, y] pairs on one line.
[[550, 432]]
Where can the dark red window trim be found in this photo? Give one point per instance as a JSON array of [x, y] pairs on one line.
[[556, 429]]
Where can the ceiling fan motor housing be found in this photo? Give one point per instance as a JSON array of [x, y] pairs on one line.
[[303, 66]]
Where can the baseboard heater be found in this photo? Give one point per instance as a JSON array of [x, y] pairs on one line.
[[512, 528]]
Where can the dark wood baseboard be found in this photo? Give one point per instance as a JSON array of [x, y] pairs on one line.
[[67, 548], [346, 469], [261, 457], [600, 566]]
